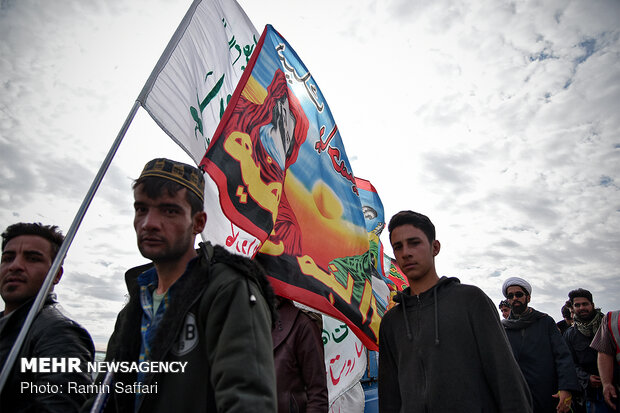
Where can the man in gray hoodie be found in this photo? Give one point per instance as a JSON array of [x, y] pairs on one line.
[[453, 355]]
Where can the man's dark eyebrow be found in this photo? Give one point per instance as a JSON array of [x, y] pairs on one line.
[[33, 252], [168, 205], [27, 252], [162, 205], [36, 253]]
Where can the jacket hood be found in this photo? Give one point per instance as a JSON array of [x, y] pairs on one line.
[[428, 297]]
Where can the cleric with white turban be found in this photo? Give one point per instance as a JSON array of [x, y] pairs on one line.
[[516, 281]]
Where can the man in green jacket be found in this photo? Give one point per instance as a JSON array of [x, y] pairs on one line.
[[207, 314]]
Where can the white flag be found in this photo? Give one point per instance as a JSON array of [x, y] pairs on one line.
[[196, 75], [345, 363], [352, 401]]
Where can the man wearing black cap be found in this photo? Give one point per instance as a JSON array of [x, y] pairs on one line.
[[540, 350], [205, 310]]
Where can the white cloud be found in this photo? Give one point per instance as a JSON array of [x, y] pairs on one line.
[[498, 120]]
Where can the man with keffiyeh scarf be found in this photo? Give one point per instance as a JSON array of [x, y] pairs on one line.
[[587, 320]]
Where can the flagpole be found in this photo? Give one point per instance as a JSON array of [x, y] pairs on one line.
[[62, 252]]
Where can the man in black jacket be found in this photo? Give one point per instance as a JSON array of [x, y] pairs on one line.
[[28, 251], [578, 337], [539, 350], [442, 349]]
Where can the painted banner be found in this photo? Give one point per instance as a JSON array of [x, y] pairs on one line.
[[189, 88], [345, 364], [286, 191], [387, 277]]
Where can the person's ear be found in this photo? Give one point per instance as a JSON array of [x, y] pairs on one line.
[[199, 220], [58, 276], [436, 247]]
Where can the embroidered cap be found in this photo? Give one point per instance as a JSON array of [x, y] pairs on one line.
[[516, 281], [181, 173]]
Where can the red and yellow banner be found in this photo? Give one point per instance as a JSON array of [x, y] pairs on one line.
[[280, 188]]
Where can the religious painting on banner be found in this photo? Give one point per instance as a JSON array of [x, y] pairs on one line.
[[387, 278], [287, 195]]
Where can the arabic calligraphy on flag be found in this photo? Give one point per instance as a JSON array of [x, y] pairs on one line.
[[345, 358], [189, 88], [287, 195]]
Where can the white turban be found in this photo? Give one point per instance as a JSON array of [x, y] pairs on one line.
[[516, 281]]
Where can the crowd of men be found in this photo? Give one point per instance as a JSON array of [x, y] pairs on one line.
[[443, 348], [585, 338]]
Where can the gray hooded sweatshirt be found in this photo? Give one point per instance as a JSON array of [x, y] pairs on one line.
[[446, 351]]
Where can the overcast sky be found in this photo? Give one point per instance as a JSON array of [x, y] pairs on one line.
[[498, 120]]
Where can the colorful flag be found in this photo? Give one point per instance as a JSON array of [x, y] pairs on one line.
[[287, 195], [189, 88], [388, 278], [372, 207]]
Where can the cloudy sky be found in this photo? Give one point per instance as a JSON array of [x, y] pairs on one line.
[[499, 120]]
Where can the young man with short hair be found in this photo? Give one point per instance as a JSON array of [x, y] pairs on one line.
[[208, 309], [578, 337], [442, 348], [28, 251], [567, 317]]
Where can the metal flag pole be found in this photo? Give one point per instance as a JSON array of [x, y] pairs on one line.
[[102, 397], [62, 252]]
